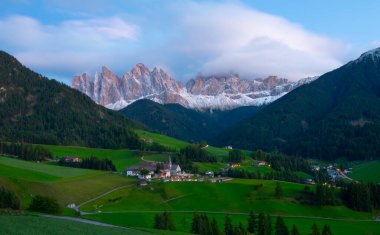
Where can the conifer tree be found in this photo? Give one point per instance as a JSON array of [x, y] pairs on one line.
[[326, 230], [314, 230], [251, 222], [214, 227], [278, 191], [228, 229], [261, 228], [281, 228], [295, 230]]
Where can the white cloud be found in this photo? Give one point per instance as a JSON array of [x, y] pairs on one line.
[[71, 45], [185, 36], [254, 43]]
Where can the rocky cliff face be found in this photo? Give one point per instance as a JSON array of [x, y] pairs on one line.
[[215, 92]]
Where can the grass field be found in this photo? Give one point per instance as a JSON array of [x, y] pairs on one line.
[[234, 196], [175, 144], [120, 157], [164, 140], [20, 169], [36, 225], [67, 185], [366, 171], [183, 222]]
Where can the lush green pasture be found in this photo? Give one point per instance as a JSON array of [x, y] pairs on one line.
[[120, 157], [30, 225], [366, 171], [183, 222], [157, 157], [232, 196], [21, 169], [67, 185], [206, 166], [164, 140]]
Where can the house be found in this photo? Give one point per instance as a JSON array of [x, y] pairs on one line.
[[72, 159], [164, 173], [132, 171], [261, 163], [210, 174], [233, 165], [147, 140], [228, 147], [146, 177]]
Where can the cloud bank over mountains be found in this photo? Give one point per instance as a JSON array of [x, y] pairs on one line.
[[185, 37]]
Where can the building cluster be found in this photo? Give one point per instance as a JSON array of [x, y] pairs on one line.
[[72, 159], [166, 171]]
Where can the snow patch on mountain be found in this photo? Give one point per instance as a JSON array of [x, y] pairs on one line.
[[221, 92]]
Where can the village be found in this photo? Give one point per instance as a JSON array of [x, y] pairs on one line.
[[168, 172]]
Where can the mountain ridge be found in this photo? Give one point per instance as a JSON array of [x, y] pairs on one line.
[[34, 109], [221, 92], [338, 115]]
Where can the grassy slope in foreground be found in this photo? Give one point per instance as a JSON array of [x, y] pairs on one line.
[[13, 225], [67, 185], [366, 171], [234, 196], [120, 157]]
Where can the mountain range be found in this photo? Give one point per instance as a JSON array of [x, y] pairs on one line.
[[221, 92], [338, 115]]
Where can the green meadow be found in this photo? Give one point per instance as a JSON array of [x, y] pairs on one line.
[[120, 157], [183, 222], [45, 226], [366, 171]]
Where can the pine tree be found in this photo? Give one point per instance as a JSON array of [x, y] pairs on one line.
[[239, 230], [268, 225], [314, 230], [228, 229], [261, 229], [214, 227], [251, 222], [205, 225], [295, 230], [281, 228], [278, 191], [196, 225], [326, 230]]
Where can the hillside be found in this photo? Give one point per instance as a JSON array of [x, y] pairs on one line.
[[337, 115], [187, 124], [38, 110]]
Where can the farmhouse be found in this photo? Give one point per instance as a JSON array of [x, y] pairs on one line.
[[72, 159], [210, 174], [132, 171]]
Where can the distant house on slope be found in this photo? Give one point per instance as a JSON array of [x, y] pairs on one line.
[[132, 171]]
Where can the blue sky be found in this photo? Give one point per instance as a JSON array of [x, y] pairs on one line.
[[292, 39]]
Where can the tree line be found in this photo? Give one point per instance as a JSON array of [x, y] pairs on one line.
[[192, 153], [361, 196], [282, 162], [260, 225], [89, 163], [25, 151]]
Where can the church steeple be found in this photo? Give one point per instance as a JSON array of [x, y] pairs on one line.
[[170, 162]]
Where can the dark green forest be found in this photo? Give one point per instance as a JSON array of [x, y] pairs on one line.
[[34, 109], [338, 115]]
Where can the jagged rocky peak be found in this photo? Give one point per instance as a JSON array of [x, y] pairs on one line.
[[224, 91]]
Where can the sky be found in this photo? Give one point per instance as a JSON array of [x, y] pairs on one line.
[[291, 39]]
